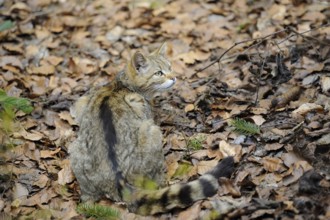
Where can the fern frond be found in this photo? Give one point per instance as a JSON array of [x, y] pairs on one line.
[[98, 211], [244, 127], [9, 102]]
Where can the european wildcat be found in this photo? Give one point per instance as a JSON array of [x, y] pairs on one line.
[[119, 142]]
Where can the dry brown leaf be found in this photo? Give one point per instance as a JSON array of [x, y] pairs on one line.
[[272, 164], [13, 47], [54, 60], [324, 140], [83, 65], [192, 56], [49, 153], [42, 181], [274, 146], [33, 136], [325, 84], [200, 154], [172, 164], [73, 21], [227, 150], [189, 108], [206, 165], [260, 212], [258, 119], [65, 175], [177, 141], [43, 70], [314, 16], [227, 187], [290, 158], [10, 60], [305, 108], [20, 191], [42, 197], [65, 115], [191, 212], [258, 111]]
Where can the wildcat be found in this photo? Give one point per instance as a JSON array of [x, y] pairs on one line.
[[118, 142]]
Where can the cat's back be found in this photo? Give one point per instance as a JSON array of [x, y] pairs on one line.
[[117, 100]]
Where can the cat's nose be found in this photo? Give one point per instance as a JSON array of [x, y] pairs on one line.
[[173, 79]]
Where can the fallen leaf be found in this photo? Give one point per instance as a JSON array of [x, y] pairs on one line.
[[189, 108], [274, 146], [325, 84], [65, 175], [206, 165], [43, 70], [49, 153], [272, 164], [10, 60], [305, 108]]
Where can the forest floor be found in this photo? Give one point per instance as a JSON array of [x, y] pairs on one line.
[[271, 67]]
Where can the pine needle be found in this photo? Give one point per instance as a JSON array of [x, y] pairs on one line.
[[98, 211], [244, 127]]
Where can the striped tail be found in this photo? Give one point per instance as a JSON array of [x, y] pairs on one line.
[[180, 195]]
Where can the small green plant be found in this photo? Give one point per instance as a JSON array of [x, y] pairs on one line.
[[8, 106], [244, 127], [98, 211], [183, 169], [196, 142], [6, 25]]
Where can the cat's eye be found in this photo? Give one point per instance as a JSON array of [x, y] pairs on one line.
[[159, 73]]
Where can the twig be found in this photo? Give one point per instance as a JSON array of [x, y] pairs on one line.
[[304, 32], [261, 40]]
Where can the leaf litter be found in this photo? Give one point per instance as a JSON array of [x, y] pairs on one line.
[[54, 51]]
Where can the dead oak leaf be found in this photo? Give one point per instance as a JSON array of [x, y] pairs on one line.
[[46, 69], [42, 181], [305, 108], [66, 116], [73, 21], [227, 150], [31, 136], [83, 65], [273, 146], [205, 166], [191, 212], [314, 16], [49, 153], [325, 84], [54, 60], [192, 56], [10, 60], [272, 164], [227, 187], [65, 175], [42, 197], [13, 47]]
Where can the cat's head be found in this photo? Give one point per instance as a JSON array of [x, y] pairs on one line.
[[150, 73]]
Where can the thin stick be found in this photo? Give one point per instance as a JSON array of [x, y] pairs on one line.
[[302, 33], [260, 40]]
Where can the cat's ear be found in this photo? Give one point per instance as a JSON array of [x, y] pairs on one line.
[[139, 61], [161, 50]]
